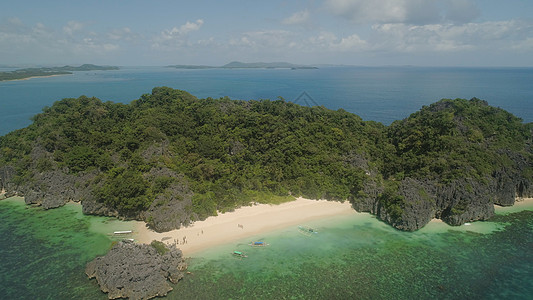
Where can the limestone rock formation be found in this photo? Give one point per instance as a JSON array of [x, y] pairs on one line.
[[138, 271]]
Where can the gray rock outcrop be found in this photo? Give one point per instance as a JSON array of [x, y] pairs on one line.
[[6, 180], [54, 188], [171, 209], [419, 206], [138, 271]]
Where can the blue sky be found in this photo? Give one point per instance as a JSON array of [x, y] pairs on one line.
[[354, 32]]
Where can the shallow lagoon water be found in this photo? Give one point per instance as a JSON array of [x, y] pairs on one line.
[[363, 258], [44, 252], [44, 255]]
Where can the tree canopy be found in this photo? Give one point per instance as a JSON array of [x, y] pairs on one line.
[[234, 152]]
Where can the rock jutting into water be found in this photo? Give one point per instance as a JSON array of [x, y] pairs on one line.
[[137, 271]]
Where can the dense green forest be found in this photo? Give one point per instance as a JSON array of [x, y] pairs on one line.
[[229, 153]]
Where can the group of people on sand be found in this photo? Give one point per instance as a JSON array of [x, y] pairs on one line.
[[184, 240]]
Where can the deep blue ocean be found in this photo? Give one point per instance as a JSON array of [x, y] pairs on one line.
[[382, 94], [43, 253]]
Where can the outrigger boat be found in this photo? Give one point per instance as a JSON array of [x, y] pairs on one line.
[[306, 230], [123, 232], [239, 254], [258, 244]]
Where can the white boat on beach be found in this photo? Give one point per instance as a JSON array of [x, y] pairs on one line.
[[123, 232]]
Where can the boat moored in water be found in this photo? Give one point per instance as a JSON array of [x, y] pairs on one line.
[[258, 244], [306, 230], [239, 254]]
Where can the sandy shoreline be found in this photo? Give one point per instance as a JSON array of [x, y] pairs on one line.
[[244, 222], [28, 78], [253, 220], [520, 202]]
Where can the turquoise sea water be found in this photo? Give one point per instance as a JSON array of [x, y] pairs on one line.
[[44, 254], [380, 94], [362, 258]]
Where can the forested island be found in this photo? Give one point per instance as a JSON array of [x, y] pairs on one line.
[[169, 158], [242, 65], [50, 71]]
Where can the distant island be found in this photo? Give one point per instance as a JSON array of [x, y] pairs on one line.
[[50, 71], [242, 65]]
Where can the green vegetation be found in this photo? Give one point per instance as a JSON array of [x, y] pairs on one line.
[[232, 153], [40, 72], [454, 139], [160, 247]]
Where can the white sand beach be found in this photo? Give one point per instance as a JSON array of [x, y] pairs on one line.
[[521, 202], [244, 222], [519, 205], [32, 77]]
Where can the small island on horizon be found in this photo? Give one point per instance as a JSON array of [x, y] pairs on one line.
[[243, 65], [27, 73]]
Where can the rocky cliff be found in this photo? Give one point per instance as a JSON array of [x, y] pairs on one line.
[[463, 200]]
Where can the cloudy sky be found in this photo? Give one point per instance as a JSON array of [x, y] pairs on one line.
[[355, 32]]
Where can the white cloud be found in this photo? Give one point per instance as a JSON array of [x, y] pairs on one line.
[[72, 27], [523, 46], [123, 34], [298, 18], [392, 38], [182, 30], [487, 36], [324, 39], [328, 41], [270, 39], [352, 43], [171, 39], [375, 11], [419, 12], [43, 44]]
